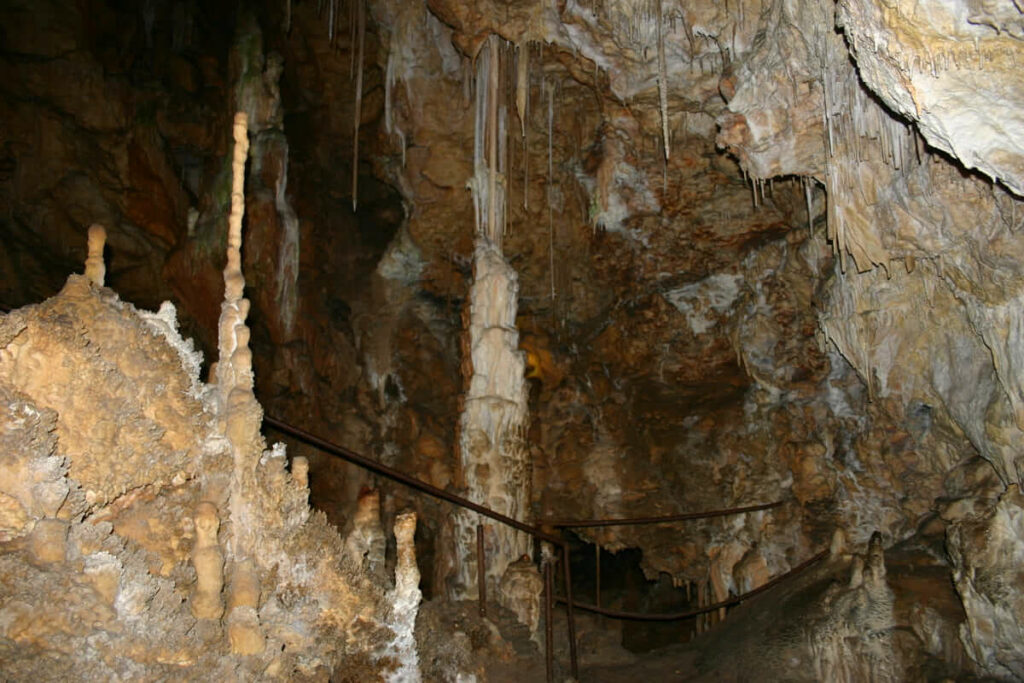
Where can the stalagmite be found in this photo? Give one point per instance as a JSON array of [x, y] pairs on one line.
[[244, 632], [521, 590], [47, 542], [300, 471], [405, 599], [234, 369], [208, 562], [365, 543], [234, 283], [95, 269], [240, 414]]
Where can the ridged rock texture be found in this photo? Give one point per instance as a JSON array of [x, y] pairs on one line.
[[750, 251], [112, 545]]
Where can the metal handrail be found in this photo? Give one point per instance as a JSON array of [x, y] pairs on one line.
[[681, 517], [401, 477], [678, 616], [392, 473], [537, 532]]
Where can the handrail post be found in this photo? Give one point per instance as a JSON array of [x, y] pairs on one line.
[[481, 570], [571, 622]]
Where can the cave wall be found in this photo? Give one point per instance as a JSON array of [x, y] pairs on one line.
[[766, 250], [839, 333]]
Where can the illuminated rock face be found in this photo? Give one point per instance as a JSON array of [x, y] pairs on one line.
[[835, 321], [141, 504], [122, 537], [492, 427], [986, 548]]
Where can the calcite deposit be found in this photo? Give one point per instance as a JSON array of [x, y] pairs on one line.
[[141, 505], [577, 260]]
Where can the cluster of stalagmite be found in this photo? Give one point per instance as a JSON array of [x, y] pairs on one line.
[[165, 523]]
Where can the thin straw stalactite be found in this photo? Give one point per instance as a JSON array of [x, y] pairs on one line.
[[493, 231], [358, 115]]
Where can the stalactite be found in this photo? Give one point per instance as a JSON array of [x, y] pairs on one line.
[[509, 77], [522, 84], [389, 81], [353, 31], [663, 82], [551, 178], [503, 147], [492, 142], [807, 200], [357, 116], [827, 113], [478, 184], [551, 108], [330, 21], [526, 144]]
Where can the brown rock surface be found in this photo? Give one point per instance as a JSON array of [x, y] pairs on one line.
[[766, 250]]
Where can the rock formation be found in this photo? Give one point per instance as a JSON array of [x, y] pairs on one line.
[[118, 461], [582, 260]]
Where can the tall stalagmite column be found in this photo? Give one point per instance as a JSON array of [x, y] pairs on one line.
[[492, 451], [240, 416]]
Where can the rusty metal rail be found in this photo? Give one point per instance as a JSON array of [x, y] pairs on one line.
[[395, 475], [678, 616], [539, 533], [681, 517], [413, 482]]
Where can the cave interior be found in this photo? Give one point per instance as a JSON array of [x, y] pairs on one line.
[[722, 302]]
